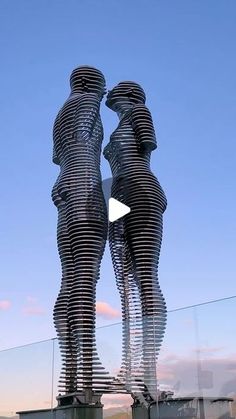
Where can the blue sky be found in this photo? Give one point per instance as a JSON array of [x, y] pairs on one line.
[[183, 54]]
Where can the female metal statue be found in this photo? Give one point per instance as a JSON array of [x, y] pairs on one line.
[[135, 240], [82, 230]]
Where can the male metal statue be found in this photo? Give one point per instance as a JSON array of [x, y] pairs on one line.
[[135, 240], [81, 233]]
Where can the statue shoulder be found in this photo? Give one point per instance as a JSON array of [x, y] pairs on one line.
[[142, 124], [140, 112]]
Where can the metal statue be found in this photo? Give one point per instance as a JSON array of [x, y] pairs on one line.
[[135, 239], [81, 232]]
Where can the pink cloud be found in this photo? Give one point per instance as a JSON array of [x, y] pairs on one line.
[[209, 349], [215, 378], [105, 311], [116, 401], [33, 311], [32, 308], [5, 304], [31, 299], [164, 373]]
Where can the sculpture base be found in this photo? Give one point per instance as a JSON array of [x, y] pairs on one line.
[[141, 412], [186, 407], [65, 412]]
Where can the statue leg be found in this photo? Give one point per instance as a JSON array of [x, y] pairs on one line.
[[130, 376], [121, 269], [144, 247], [87, 242], [67, 344]]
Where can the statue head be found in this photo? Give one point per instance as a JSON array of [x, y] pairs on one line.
[[125, 93], [88, 79]]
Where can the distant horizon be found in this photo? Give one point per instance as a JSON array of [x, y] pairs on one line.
[[183, 59]]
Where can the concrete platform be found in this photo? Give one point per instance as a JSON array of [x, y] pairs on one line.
[[170, 408], [65, 412], [186, 408]]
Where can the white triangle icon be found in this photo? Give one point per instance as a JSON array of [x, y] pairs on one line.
[[117, 210]]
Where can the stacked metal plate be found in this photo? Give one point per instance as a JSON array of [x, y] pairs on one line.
[[135, 239], [82, 230]]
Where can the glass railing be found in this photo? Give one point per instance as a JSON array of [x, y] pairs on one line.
[[26, 378], [197, 360]]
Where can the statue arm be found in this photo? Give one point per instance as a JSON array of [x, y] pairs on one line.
[[56, 139], [86, 114], [143, 127], [55, 158]]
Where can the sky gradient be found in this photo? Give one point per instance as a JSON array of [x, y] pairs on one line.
[[183, 54]]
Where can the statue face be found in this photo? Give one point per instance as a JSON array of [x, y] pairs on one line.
[[88, 79], [117, 96], [126, 92]]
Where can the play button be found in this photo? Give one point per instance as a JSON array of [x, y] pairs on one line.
[[117, 210]]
